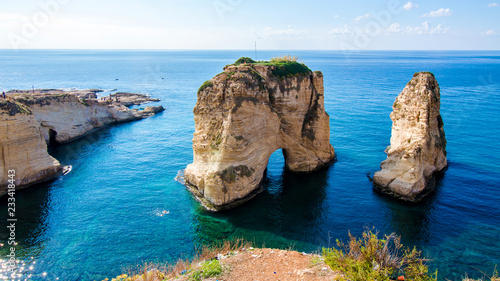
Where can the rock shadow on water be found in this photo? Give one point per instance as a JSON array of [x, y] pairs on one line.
[[37, 201], [411, 220], [72, 151], [459, 248], [290, 208]]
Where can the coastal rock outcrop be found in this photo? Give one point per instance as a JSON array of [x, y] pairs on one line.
[[418, 143], [246, 113], [67, 115], [31, 119], [22, 148]]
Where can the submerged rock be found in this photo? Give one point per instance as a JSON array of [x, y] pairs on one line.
[[246, 113], [152, 110], [129, 99], [418, 143]]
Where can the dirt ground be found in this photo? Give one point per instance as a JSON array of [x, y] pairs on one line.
[[272, 264]]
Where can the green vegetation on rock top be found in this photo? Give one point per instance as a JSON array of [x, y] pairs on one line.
[[424, 72], [244, 60], [12, 108], [205, 85], [286, 66]]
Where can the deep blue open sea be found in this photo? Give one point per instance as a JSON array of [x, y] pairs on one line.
[[107, 215]]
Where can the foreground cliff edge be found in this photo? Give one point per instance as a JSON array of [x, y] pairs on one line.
[[32, 119], [246, 113], [418, 142]]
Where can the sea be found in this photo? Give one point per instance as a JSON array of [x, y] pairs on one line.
[[121, 207]]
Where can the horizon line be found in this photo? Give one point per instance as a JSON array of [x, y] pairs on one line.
[[251, 50]]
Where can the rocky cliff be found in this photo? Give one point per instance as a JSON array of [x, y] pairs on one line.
[[31, 119], [22, 148], [418, 143], [246, 113]]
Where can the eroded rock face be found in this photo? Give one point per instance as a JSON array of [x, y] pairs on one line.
[[245, 114], [23, 148], [67, 115], [418, 143]]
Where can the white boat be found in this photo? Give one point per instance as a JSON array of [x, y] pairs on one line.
[[67, 169]]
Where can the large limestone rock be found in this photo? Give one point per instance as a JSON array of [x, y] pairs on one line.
[[418, 143], [22, 148], [245, 114]]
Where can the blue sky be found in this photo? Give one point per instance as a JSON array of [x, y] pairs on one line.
[[238, 24]]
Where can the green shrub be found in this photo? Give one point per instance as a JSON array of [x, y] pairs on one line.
[[289, 68], [286, 66], [371, 258], [208, 269], [243, 60], [83, 101], [205, 85]]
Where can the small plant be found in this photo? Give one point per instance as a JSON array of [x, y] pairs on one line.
[[316, 260], [243, 60], [207, 269], [83, 101], [205, 85], [371, 258]]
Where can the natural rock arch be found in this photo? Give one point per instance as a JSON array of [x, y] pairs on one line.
[[245, 114], [52, 137]]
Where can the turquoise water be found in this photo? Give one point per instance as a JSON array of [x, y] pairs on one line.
[[120, 206]]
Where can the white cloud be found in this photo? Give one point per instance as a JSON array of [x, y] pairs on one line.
[[395, 27], [364, 17], [270, 33], [10, 17], [439, 13], [341, 31], [492, 5], [336, 16], [11, 22], [490, 32], [410, 6], [426, 29]]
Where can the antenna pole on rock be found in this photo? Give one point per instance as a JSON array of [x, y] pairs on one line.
[[255, 49]]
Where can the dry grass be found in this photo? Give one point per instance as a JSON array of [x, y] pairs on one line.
[[155, 272], [211, 252], [493, 277], [287, 58], [489, 279]]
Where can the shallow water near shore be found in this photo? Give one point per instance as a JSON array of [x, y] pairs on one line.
[[121, 207]]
